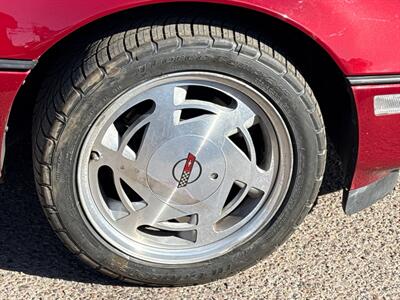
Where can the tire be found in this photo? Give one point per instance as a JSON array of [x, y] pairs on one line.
[[88, 81]]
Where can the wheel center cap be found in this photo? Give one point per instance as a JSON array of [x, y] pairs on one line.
[[186, 170]]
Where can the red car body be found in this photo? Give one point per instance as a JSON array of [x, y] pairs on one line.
[[361, 37]]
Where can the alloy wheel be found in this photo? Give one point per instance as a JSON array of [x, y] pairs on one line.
[[184, 168]]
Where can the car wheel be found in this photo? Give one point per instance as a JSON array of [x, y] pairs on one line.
[[176, 154]]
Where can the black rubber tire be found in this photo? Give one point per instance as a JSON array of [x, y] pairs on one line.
[[88, 78]]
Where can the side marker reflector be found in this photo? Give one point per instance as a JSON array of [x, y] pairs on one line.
[[387, 104]]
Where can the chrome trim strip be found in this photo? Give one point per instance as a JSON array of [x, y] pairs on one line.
[[364, 80], [17, 64]]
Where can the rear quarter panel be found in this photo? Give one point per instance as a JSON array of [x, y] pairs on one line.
[[362, 36]]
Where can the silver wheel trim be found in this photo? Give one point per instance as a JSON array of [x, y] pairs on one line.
[[99, 148]]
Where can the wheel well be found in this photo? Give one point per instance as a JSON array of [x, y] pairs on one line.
[[319, 69]]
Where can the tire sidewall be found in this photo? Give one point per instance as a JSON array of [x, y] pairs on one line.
[[265, 79]]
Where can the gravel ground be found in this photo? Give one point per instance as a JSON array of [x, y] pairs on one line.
[[330, 256]]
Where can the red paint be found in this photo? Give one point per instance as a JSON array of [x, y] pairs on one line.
[[189, 163], [10, 82], [379, 136], [187, 170], [362, 36]]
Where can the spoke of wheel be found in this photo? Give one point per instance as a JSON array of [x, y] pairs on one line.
[[239, 167], [206, 234], [163, 126], [210, 209], [262, 180], [122, 195], [242, 169], [135, 178], [175, 226], [241, 116], [197, 104], [108, 157], [133, 129], [242, 194], [111, 138], [209, 212], [153, 214]]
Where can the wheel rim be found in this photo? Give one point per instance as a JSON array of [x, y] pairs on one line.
[[184, 168]]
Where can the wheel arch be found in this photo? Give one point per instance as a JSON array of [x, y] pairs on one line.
[[317, 62]]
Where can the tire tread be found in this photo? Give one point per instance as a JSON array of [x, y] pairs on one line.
[[60, 94]]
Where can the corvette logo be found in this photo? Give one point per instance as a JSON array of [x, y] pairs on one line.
[[187, 170]]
